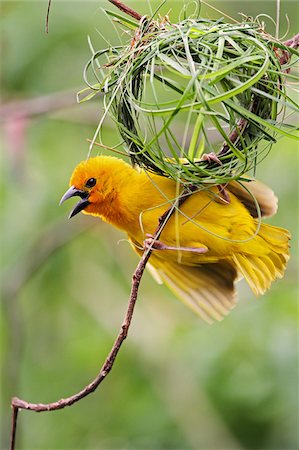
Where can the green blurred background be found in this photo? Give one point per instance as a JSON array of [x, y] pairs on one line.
[[177, 383]]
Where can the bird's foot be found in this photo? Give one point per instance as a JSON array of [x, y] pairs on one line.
[[154, 244], [211, 157]]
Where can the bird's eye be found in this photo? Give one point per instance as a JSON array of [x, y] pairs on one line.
[[91, 182]]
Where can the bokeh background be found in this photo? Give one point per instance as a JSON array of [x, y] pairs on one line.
[[177, 383]]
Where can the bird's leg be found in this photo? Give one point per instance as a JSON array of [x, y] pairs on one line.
[[212, 157], [151, 242]]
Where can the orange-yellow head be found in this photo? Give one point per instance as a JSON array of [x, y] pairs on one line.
[[98, 181]]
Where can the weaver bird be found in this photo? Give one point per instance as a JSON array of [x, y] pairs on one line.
[[205, 247]]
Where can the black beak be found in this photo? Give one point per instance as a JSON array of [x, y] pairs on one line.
[[73, 192]]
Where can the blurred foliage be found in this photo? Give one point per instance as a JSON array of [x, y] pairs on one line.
[[178, 383]]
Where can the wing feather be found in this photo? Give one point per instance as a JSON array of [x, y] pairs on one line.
[[265, 197], [207, 289]]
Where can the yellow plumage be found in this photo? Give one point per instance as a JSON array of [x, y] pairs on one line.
[[225, 239]]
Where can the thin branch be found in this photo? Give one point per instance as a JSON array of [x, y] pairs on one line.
[[126, 9], [47, 16], [240, 128], [18, 403], [15, 412], [293, 42]]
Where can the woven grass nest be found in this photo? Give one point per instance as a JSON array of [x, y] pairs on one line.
[[179, 91]]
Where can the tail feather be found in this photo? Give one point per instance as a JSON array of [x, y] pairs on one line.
[[279, 262], [260, 270]]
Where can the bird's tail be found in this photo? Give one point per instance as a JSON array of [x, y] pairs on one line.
[[260, 270]]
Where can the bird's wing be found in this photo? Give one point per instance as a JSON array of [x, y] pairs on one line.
[[207, 289], [264, 196]]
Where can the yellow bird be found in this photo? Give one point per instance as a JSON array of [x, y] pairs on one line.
[[205, 247]]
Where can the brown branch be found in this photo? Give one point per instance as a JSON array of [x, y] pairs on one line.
[[293, 42], [17, 403], [47, 16], [14, 419], [126, 9], [240, 128]]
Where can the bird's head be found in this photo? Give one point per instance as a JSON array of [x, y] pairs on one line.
[[84, 184], [97, 181], [88, 182]]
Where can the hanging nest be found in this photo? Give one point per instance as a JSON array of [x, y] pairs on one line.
[[181, 93]]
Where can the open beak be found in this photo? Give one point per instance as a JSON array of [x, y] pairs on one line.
[[74, 192]]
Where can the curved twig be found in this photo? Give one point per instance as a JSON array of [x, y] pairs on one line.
[[18, 403]]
